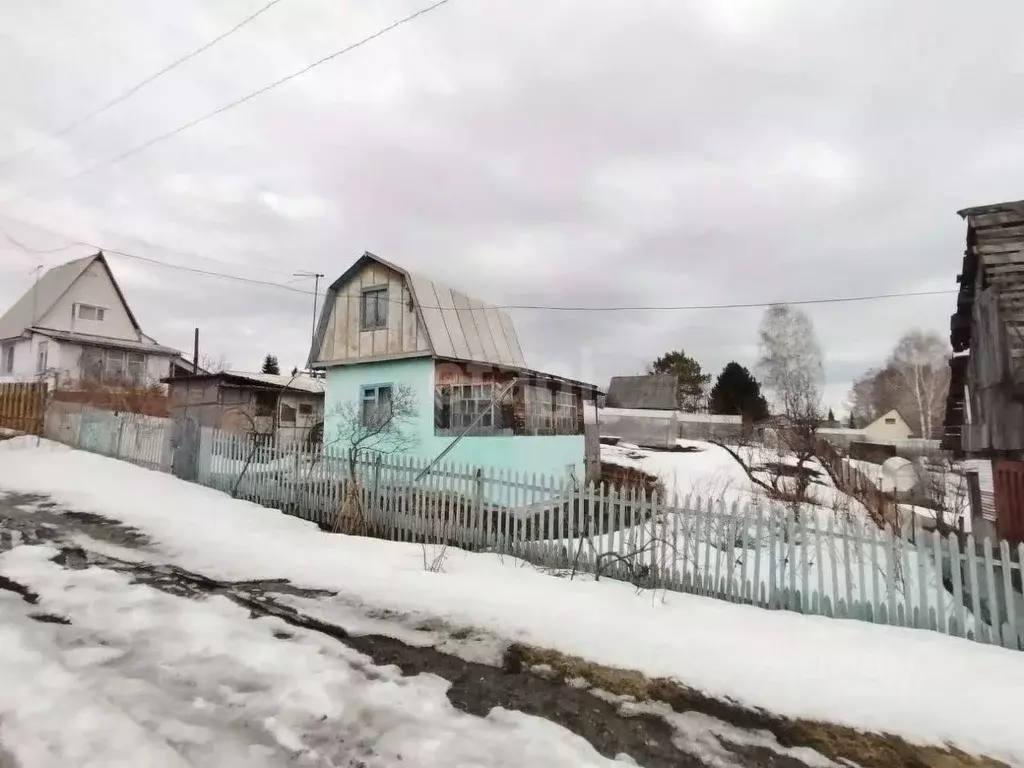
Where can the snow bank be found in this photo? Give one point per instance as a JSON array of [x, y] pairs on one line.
[[143, 678], [863, 675]]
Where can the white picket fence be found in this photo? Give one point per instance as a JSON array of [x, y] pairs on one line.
[[817, 562]]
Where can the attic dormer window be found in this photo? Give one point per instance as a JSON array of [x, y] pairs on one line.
[[89, 312], [374, 309]]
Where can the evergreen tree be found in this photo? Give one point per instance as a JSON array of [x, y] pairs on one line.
[[270, 365], [738, 393], [851, 422], [831, 416], [693, 381]]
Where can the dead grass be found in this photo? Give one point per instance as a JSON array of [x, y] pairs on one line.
[[837, 742]]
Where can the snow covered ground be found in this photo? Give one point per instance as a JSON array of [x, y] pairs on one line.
[[144, 678], [870, 677], [732, 532]]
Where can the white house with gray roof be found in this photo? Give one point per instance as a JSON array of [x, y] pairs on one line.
[[74, 326], [385, 330]]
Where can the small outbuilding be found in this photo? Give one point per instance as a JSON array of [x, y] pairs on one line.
[[281, 409]]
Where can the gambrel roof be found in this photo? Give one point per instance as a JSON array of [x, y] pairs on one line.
[[458, 326]]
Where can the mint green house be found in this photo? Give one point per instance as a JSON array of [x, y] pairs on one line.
[[416, 368]]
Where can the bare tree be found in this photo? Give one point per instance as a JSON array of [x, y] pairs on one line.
[[920, 362], [385, 427], [212, 364], [790, 361], [914, 381], [381, 428], [791, 368]]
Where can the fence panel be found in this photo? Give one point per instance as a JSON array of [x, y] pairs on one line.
[[760, 553], [22, 408]]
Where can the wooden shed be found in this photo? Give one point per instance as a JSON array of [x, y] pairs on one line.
[[985, 405]]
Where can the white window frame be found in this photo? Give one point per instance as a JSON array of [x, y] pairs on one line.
[[99, 314], [42, 356], [6, 359], [371, 402]]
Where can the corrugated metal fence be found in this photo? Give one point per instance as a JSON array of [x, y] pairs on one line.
[[827, 562]]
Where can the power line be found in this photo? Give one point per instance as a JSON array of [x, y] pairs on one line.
[[75, 243], [542, 307], [750, 305], [26, 249], [136, 88], [231, 105]]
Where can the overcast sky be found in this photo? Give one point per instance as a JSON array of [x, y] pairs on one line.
[[581, 152]]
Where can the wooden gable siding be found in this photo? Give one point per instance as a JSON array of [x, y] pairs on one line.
[[346, 341]]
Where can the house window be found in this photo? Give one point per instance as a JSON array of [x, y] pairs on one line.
[[566, 413], [113, 366], [266, 402], [41, 355], [287, 414], [374, 309], [376, 406], [232, 396], [890, 420], [472, 407], [136, 368], [92, 365], [89, 312], [7, 359], [305, 409], [540, 410]]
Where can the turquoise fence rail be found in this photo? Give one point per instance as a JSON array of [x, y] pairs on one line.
[[833, 563]]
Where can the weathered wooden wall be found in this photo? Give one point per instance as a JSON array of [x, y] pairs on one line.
[[1009, 497], [989, 323], [996, 418], [345, 339]]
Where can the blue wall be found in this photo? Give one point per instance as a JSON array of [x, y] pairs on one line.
[[544, 455]]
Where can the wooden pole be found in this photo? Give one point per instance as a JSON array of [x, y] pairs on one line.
[[195, 353]]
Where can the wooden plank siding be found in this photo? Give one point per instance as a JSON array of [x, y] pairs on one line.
[[22, 407], [345, 339], [988, 409], [1009, 498]]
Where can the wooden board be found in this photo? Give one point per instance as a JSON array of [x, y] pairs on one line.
[[22, 407], [996, 219]]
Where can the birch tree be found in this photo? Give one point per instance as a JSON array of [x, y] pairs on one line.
[[790, 362], [792, 371], [920, 363]]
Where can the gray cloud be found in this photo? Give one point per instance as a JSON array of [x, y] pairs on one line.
[[566, 152]]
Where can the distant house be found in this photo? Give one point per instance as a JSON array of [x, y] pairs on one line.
[[652, 392], [642, 410], [384, 328], [271, 407], [888, 426], [985, 406], [74, 327]]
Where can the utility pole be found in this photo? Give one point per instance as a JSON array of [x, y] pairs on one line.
[[316, 295]]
